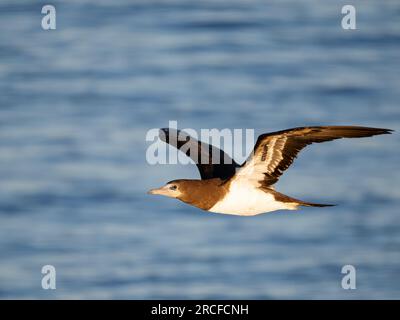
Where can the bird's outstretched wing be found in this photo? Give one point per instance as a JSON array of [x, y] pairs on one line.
[[274, 152], [211, 161]]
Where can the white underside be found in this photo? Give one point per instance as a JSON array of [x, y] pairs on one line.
[[246, 199]]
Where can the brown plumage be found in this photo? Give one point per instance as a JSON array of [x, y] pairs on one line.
[[211, 161], [276, 151], [226, 187], [202, 194]]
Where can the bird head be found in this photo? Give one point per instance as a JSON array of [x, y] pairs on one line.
[[170, 189]]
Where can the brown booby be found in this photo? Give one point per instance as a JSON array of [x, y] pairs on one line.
[[247, 189]]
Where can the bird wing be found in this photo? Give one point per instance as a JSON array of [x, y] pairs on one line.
[[211, 161], [274, 152]]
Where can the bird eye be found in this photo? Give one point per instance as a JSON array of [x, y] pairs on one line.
[[173, 187]]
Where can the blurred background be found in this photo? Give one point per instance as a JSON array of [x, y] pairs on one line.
[[76, 104]]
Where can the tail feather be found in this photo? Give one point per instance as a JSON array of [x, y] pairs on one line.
[[296, 202], [309, 204]]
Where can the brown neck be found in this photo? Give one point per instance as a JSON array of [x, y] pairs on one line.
[[203, 193]]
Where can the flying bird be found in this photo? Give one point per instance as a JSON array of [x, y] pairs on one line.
[[248, 189]]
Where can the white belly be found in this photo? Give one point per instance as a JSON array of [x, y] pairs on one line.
[[245, 199]]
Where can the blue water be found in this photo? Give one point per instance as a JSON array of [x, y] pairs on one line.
[[75, 106]]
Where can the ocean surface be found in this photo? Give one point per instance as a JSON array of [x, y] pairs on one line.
[[76, 104]]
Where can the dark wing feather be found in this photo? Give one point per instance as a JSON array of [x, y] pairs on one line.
[[274, 152], [211, 161]]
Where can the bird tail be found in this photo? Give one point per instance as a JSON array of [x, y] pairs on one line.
[[295, 202], [309, 204]]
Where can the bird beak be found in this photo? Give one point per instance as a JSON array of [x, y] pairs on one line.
[[164, 191]]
